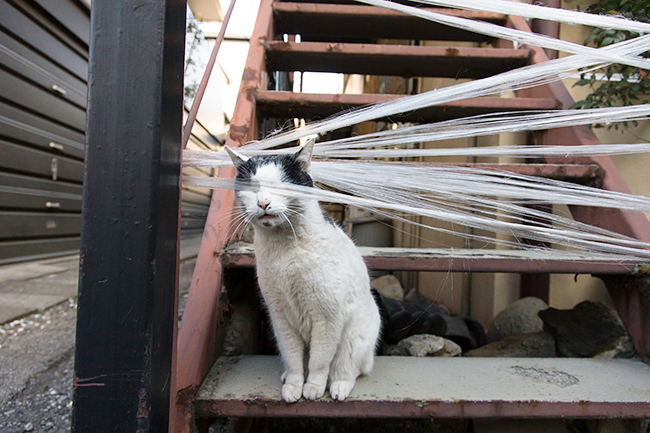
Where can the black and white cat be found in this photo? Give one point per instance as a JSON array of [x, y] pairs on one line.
[[312, 278]]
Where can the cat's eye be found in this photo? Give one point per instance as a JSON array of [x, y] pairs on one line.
[[255, 185]]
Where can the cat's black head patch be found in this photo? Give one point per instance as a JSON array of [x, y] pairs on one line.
[[292, 169]]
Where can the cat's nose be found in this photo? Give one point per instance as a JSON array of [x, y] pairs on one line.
[[263, 203]]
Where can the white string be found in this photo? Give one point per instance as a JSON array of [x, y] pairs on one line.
[[571, 234], [511, 34], [203, 158], [489, 124], [476, 198], [544, 13], [34, 130], [528, 76]]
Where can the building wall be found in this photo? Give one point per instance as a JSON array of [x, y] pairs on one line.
[[43, 70], [43, 85]]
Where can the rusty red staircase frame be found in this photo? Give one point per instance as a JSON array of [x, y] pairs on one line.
[[198, 338]]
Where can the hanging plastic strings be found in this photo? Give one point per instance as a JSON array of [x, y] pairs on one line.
[[514, 35], [488, 200], [543, 13], [366, 146], [450, 194], [522, 78]]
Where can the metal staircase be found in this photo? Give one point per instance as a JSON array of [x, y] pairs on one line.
[[344, 38]]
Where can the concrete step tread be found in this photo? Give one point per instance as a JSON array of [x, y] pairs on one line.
[[249, 386]]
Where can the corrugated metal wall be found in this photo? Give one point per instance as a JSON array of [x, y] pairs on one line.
[[43, 78]]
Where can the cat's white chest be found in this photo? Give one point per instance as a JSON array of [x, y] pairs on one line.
[[296, 271], [305, 281]]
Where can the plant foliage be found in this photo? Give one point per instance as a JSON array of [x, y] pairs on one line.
[[623, 85]]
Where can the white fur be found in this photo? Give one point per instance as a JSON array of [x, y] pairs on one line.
[[317, 290]]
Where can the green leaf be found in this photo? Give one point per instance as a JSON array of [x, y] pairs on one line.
[[578, 105]]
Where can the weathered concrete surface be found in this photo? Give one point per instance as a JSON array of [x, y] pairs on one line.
[[27, 288], [442, 387], [38, 308]]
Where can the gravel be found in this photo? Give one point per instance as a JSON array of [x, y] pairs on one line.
[[36, 354], [37, 366]]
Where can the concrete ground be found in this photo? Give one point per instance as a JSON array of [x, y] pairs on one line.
[[37, 331], [27, 288]]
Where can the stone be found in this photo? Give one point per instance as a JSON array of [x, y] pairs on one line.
[[397, 327], [622, 348], [422, 302], [417, 314], [389, 286], [241, 334], [520, 317], [590, 329], [530, 345], [466, 332], [426, 345]]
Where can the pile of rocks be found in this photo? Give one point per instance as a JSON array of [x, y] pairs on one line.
[[518, 332], [530, 328], [416, 326]]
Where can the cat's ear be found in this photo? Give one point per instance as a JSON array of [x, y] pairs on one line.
[[237, 158], [303, 156]]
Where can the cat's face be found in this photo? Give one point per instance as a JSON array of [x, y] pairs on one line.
[[259, 203]]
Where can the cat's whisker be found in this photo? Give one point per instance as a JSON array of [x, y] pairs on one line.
[[234, 212], [235, 219], [290, 225], [241, 226], [295, 213], [240, 220]]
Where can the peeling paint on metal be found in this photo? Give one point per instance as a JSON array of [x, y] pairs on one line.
[[451, 52]]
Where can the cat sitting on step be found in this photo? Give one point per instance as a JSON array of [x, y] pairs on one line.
[[312, 277]]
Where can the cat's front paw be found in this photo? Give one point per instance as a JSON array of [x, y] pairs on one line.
[[312, 391], [291, 393], [340, 389]]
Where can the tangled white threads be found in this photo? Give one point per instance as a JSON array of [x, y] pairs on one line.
[[522, 78], [444, 204], [544, 13], [487, 200], [366, 146], [514, 35]]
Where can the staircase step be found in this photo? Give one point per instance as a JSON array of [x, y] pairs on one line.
[[395, 60], [284, 105], [359, 23], [241, 255], [249, 386]]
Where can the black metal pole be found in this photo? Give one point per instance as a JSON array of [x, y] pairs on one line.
[[126, 316]]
